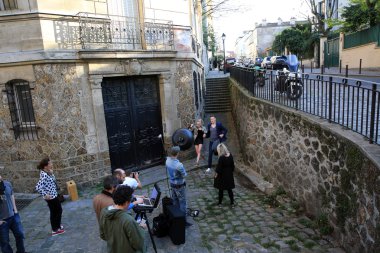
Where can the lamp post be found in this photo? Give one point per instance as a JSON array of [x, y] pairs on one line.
[[224, 52]]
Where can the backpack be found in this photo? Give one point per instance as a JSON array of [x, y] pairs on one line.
[[161, 225]]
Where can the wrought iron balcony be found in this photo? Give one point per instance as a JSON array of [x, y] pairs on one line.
[[95, 32]]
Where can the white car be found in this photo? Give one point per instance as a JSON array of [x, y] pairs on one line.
[[266, 64]]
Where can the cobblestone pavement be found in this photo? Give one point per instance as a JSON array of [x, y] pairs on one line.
[[252, 226], [258, 223]]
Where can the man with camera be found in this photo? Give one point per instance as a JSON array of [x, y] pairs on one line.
[[133, 180]]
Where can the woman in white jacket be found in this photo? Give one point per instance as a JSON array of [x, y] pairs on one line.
[[48, 188]]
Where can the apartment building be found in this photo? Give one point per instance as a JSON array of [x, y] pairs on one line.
[[92, 84]]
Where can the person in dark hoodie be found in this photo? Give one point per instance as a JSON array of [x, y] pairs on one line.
[[117, 226]]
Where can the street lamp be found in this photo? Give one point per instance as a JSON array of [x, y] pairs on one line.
[[224, 51]]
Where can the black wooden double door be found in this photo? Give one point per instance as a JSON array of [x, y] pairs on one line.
[[133, 120]]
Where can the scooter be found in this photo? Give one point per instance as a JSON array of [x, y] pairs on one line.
[[289, 79]]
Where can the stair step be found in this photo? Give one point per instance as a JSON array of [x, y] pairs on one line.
[[208, 100], [222, 94]]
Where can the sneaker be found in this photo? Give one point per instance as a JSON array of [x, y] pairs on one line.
[[58, 232], [61, 227], [208, 170]]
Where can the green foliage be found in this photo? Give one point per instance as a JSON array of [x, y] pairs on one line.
[[360, 14], [298, 40]]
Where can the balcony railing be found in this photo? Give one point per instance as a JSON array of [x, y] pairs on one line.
[[92, 32]]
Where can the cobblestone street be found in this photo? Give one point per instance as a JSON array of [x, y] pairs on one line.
[[252, 226]]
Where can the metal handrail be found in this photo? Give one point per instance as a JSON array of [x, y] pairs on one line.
[[351, 103]]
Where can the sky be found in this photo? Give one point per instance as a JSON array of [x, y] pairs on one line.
[[233, 23]]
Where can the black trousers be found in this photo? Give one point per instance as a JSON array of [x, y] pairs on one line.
[[230, 194], [55, 213]]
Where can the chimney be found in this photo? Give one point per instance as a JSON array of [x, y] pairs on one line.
[[264, 22], [279, 21], [293, 21]]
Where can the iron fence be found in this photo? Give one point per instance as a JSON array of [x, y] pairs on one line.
[[351, 103], [363, 37], [90, 31]]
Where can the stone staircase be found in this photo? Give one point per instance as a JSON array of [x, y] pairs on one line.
[[218, 97]]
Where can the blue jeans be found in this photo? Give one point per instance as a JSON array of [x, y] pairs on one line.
[[12, 223], [210, 153], [179, 198]]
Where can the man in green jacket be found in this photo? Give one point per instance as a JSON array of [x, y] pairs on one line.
[[117, 227]]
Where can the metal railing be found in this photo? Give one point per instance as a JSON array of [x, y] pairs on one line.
[[363, 37], [351, 103], [90, 31]]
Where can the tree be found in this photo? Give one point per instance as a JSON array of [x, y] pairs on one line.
[[299, 40], [217, 7], [320, 20], [360, 14]]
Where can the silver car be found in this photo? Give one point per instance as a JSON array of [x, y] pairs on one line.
[[266, 63]]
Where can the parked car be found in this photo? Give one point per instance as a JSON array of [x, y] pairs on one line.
[[266, 64], [229, 63], [278, 62], [258, 61]]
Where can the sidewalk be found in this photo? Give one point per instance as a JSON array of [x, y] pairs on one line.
[[351, 72]]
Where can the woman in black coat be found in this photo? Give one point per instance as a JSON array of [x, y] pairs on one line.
[[224, 177]]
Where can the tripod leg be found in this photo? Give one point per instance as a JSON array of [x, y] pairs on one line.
[[150, 232]]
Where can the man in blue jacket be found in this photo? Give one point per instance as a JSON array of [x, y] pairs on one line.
[[9, 219], [217, 133]]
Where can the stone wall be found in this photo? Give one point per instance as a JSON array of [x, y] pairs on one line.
[[61, 135], [316, 164], [69, 112]]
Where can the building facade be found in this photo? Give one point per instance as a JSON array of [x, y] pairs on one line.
[[255, 43], [93, 84]]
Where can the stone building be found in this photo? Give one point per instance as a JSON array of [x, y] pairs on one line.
[[92, 84], [254, 43]]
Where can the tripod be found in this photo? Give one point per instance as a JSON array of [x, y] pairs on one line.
[[142, 215]]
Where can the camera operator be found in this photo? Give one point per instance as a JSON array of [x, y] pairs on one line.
[[132, 180]]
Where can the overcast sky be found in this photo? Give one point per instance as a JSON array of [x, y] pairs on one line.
[[234, 23]]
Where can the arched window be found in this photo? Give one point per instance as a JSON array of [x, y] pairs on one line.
[[21, 109], [195, 89]]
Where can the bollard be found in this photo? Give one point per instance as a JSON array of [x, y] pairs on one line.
[[340, 66], [72, 189], [311, 67], [360, 66], [322, 69], [346, 71]]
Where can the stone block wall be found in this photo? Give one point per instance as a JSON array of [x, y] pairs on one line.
[[315, 164], [61, 135]]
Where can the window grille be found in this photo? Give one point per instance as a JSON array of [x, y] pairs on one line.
[[21, 110], [8, 5]]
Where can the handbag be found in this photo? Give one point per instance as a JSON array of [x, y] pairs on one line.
[[60, 197]]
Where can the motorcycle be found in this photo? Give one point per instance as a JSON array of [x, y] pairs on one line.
[[289, 79]]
